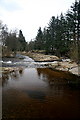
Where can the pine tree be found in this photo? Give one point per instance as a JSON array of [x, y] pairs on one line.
[[12, 42], [22, 41], [48, 43], [78, 37], [72, 18], [63, 39], [39, 39], [52, 33]]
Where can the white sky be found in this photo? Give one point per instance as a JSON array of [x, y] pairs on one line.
[[29, 15]]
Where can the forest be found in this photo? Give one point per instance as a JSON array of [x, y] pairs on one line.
[[61, 37]]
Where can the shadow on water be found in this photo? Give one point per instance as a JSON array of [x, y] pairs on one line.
[[39, 95]]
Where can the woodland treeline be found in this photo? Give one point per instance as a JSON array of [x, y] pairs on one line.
[[61, 37], [12, 40]]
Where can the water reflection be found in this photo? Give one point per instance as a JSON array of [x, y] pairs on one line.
[[13, 75], [50, 76], [5, 78], [39, 93], [57, 78], [58, 81], [55, 84], [53, 79]]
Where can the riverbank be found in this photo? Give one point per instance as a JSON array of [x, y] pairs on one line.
[[54, 62], [61, 64]]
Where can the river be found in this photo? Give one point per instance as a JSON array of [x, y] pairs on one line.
[[38, 92]]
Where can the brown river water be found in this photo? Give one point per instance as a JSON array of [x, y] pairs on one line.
[[40, 93]]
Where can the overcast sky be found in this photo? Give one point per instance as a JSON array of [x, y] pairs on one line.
[[29, 15]]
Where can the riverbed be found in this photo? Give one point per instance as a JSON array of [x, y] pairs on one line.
[[39, 92]]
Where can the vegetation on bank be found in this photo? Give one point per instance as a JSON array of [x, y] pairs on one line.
[[60, 37]]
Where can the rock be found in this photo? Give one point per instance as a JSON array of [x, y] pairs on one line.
[[62, 68], [54, 64], [74, 70], [42, 57], [59, 63], [65, 66], [66, 60], [11, 69]]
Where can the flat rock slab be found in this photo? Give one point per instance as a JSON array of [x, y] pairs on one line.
[[42, 57]]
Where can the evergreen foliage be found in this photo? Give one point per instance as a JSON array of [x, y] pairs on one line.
[[62, 36], [22, 41]]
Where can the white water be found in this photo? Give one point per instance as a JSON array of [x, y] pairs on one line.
[[26, 62]]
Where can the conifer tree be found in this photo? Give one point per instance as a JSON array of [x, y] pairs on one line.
[[22, 41], [39, 39]]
